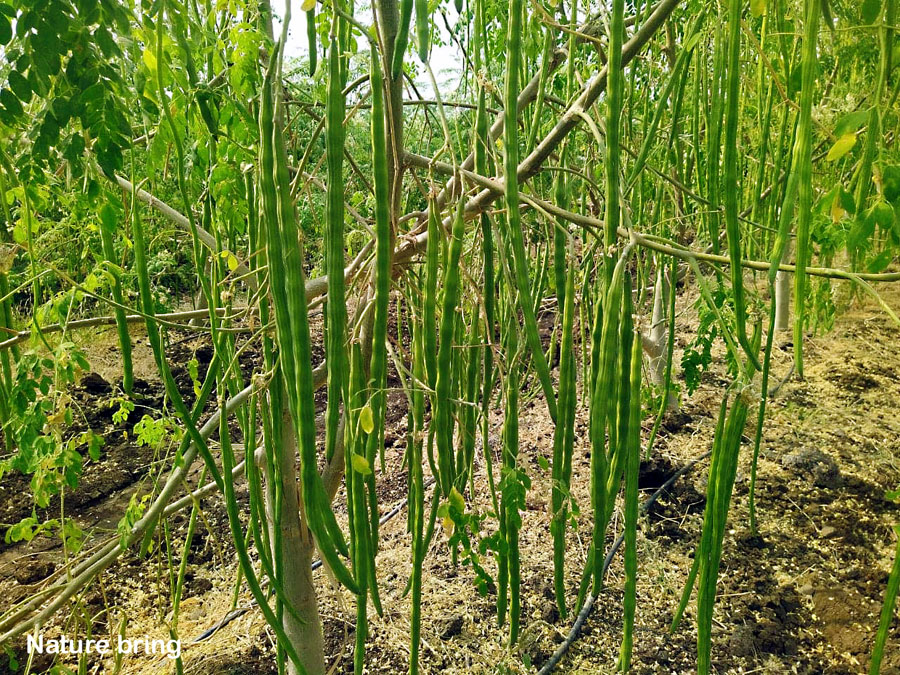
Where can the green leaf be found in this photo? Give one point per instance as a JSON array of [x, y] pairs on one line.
[[543, 463], [20, 235], [861, 231], [5, 30], [869, 11], [848, 203], [851, 123], [19, 86], [841, 147], [890, 183], [880, 262], [758, 7], [882, 214], [360, 464], [149, 59], [108, 217], [93, 95], [11, 103]]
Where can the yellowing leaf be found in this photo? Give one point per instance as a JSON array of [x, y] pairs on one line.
[[456, 500], [841, 147], [20, 233], [365, 420], [150, 59], [837, 211], [230, 260], [307, 5], [360, 464], [447, 524], [758, 7]]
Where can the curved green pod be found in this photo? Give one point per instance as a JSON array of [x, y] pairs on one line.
[[402, 39]]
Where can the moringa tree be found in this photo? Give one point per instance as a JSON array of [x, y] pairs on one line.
[[630, 142]]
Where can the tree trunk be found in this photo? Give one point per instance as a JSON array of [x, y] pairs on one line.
[[297, 550], [658, 338]]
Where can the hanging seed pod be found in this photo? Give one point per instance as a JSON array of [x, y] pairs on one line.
[[402, 38], [514, 220], [443, 418], [423, 29], [311, 40], [732, 224]]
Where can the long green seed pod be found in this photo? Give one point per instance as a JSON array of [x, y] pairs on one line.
[[614, 87], [336, 317], [489, 291], [357, 468], [803, 157], [429, 308], [563, 441], [632, 469], [600, 400], [469, 382], [423, 30], [723, 467], [514, 221], [156, 342], [287, 284], [402, 38], [238, 538], [108, 220], [417, 497], [378, 366], [311, 40], [732, 225], [443, 419], [706, 532], [512, 496], [619, 413]]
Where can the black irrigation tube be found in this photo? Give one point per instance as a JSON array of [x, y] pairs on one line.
[[240, 611], [575, 631], [558, 655]]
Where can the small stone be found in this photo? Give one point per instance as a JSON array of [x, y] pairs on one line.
[[742, 641], [815, 466], [549, 612], [451, 627], [36, 571], [806, 589], [200, 585], [94, 384], [827, 531]]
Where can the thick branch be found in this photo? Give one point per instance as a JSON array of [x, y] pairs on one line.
[[494, 188]]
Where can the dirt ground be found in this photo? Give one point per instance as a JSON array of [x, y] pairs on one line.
[[802, 597]]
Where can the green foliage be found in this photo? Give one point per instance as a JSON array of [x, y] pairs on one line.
[[157, 432], [697, 355], [136, 507]]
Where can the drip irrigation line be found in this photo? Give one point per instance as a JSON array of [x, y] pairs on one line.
[[575, 631], [240, 611]]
